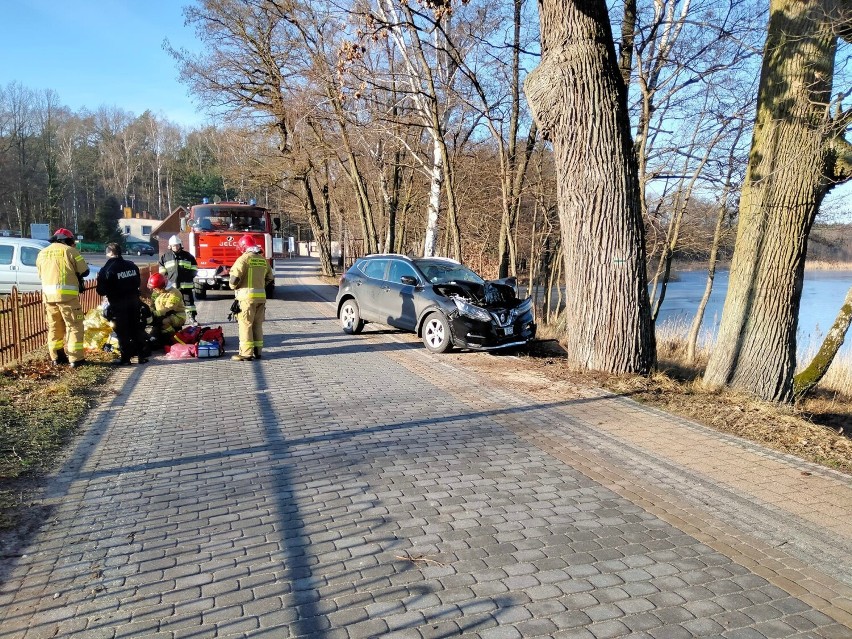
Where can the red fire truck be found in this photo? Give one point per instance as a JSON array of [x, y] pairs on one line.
[[214, 232]]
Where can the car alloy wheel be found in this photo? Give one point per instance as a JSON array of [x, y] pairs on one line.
[[350, 317], [436, 334]]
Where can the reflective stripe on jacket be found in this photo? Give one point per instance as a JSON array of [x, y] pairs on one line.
[[60, 268], [179, 268], [252, 273]]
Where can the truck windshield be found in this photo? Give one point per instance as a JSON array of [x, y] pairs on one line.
[[211, 218]]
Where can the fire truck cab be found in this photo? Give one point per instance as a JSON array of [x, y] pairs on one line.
[[214, 232]]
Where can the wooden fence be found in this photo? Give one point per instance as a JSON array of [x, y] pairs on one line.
[[23, 329]]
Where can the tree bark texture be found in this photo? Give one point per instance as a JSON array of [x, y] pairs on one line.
[[793, 163], [579, 102], [436, 184]]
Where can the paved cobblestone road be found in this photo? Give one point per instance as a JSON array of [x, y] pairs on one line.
[[356, 486]]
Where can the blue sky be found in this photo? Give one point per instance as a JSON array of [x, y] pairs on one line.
[[99, 52]]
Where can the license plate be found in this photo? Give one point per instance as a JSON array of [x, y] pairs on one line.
[[509, 330]]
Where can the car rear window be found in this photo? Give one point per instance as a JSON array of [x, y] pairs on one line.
[[374, 269], [6, 253]]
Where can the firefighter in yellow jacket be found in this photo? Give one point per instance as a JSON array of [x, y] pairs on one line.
[[249, 278], [62, 270], [168, 308]]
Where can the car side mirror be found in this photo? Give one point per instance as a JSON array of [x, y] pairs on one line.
[[408, 280]]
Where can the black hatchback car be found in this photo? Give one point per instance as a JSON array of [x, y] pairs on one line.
[[444, 302], [140, 248]]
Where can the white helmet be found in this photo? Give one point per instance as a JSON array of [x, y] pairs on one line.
[[174, 240]]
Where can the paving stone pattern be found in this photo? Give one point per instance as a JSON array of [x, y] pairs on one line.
[[354, 487]]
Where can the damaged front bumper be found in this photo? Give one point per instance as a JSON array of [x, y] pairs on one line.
[[506, 328]]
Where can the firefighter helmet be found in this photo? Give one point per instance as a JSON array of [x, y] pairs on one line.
[[174, 240], [246, 243], [63, 235], [156, 280]]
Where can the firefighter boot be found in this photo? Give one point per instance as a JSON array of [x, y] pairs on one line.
[[61, 358], [256, 352]]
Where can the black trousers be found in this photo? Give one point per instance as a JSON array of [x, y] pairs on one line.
[[189, 301], [129, 329]]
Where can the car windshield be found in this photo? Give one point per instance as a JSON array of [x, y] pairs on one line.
[[441, 272]]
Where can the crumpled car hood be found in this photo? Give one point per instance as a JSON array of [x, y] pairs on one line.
[[491, 295]]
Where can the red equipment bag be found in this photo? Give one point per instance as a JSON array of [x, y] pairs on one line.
[[188, 335]]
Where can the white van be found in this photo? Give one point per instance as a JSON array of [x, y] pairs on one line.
[[18, 264]]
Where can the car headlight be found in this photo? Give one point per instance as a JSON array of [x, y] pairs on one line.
[[474, 312], [524, 306]]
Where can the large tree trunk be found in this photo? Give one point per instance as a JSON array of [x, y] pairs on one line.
[[579, 101], [796, 157]]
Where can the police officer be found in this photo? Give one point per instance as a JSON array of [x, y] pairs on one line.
[[62, 270], [249, 277], [179, 267], [119, 281]]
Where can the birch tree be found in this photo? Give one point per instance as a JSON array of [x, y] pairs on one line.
[[429, 75]]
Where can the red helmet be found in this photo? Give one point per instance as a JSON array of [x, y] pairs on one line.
[[157, 280], [63, 234], [246, 242]]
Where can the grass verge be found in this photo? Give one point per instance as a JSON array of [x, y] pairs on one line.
[[41, 407]]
